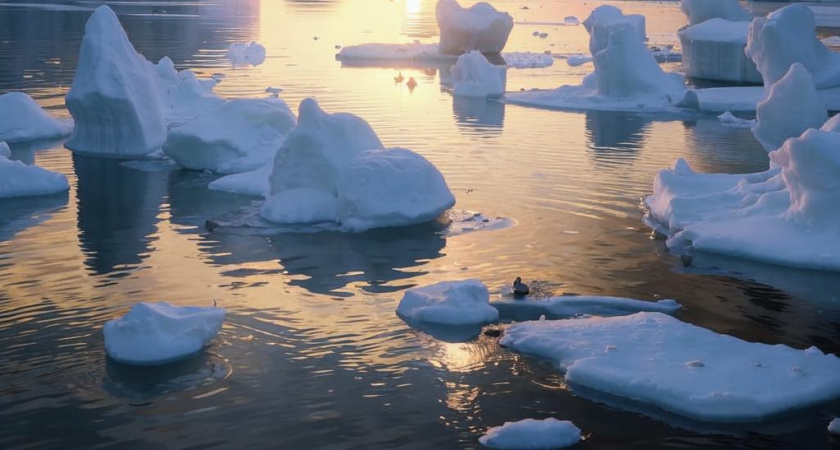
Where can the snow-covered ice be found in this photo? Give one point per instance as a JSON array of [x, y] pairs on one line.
[[20, 180], [790, 106], [528, 60], [722, 99], [532, 434], [626, 77], [699, 11], [577, 305], [242, 135], [788, 36], [730, 120], [785, 216], [690, 371], [474, 76], [333, 168], [834, 426], [22, 120], [415, 52], [246, 54], [453, 303], [159, 333], [253, 183], [603, 18], [184, 96], [714, 50], [480, 27]]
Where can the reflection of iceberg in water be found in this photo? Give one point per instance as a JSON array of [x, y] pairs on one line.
[[479, 114], [118, 211], [615, 135], [331, 261], [19, 214], [706, 137], [192, 203]]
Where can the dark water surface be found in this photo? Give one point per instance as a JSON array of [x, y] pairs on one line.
[[312, 354]]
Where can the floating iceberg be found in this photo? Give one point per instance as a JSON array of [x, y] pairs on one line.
[[246, 54], [789, 107], [626, 77], [531, 434], [577, 305], [121, 102], [602, 18], [19, 180], [681, 368], [480, 27], [528, 60], [22, 119], [785, 216], [714, 50], [474, 76], [699, 11], [450, 303], [333, 168], [787, 36], [160, 333], [240, 136]]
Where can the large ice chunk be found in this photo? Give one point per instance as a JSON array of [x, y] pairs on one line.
[[681, 368], [253, 183], [714, 50], [531, 434], [699, 11], [567, 306], [184, 96], [480, 27], [788, 36], [785, 216], [246, 54], [19, 180], [159, 333], [448, 303], [605, 16], [474, 76], [115, 98], [242, 135], [22, 119], [789, 107]]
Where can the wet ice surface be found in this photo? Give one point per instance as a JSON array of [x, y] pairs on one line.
[[311, 348]]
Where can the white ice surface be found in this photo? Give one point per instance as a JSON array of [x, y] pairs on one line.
[[699, 11], [480, 27], [474, 76], [20, 180], [448, 303], [5, 151], [655, 359], [159, 333], [730, 120], [531, 434], [714, 50], [246, 54], [528, 60], [602, 18], [415, 51], [22, 120], [579, 305]]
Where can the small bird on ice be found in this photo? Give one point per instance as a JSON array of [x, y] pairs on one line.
[[273, 91], [520, 289], [399, 78]]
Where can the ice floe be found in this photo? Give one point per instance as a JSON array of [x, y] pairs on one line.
[[790, 106], [528, 60], [699, 11], [567, 306], [160, 333], [241, 135], [532, 434], [333, 168], [785, 216], [254, 183], [730, 120], [246, 54], [22, 120], [457, 305], [714, 50], [602, 18], [474, 76], [480, 27], [387, 54], [20, 180], [655, 359]]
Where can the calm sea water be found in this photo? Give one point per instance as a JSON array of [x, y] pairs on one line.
[[312, 354]]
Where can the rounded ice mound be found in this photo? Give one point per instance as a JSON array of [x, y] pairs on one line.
[[22, 119], [699, 11], [448, 303], [115, 98], [602, 18], [240, 136], [392, 187], [301, 206], [160, 333], [246, 54], [184, 95], [532, 434], [474, 76], [788, 36], [834, 426], [789, 107], [480, 27], [19, 180]]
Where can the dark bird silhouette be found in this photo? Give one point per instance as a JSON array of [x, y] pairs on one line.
[[520, 289]]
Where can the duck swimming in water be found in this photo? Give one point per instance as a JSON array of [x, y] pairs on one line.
[[520, 289], [399, 78], [412, 83]]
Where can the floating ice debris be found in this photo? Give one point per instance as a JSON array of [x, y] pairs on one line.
[[455, 303], [714, 50], [160, 333], [22, 120], [789, 106], [246, 54], [253, 183], [652, 364], [480, 27], [531, 434], [528, 60], [242, 135], [699, 11], [474, 76], [578, 305], [730, 120], [20, 180]]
